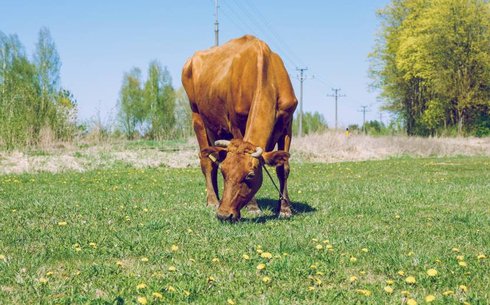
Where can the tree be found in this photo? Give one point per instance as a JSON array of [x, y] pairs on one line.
[[131, 105], [159, 99], [183, 114]]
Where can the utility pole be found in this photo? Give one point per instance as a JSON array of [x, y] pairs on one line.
[[302, 77], [216, 24], [336, 96], [364, 110]]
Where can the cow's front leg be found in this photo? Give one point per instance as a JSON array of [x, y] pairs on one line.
[[210, 171], [282, 171], [253, 207]]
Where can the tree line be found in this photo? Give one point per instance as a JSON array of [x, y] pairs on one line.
[[33, 105], [431, 63]]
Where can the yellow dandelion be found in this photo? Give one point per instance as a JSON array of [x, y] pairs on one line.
[[174, 248], [259, 251], [463, 288], [411, 302], [245, 257], [329, 247], [405, 292], [319, 247], [401, 273], [141, 286], [397, 216], [455, 250], [187, 293], [389, 282], [320, 273], [448, 293], [326, 241], [119, 263], [266, 280], [362, 272], [460, 257], [62, 223], [353, 259], [481, 256], [365, 250], [142, 300], [170, 289], [172, 269], [49, 273], [43, 280], [410, 253], [466, 303], [266, 255], [260, 266], [230, 302], [215, 260], [364, 292], [144, 259], [2, 257], [410, 280], [429, 298], [145, 210], [353, 278], [462, 264], [157, 295], [388, 289], [311, 288], [432, 272], [93, 245]]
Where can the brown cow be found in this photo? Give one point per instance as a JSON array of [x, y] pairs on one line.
[[241, 92]]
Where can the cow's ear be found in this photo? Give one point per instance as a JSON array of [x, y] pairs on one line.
[[275, 158], [216, 154]]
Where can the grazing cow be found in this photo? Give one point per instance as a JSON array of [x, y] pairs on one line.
[[243, 102]]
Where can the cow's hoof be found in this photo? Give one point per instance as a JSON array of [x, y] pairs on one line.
[[285, 214]]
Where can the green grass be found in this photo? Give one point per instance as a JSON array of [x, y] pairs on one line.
[[408, 213]]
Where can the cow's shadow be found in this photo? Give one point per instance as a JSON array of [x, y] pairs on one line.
[[268, 204]]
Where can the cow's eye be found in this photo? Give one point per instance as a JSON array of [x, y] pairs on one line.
[[250, 176]]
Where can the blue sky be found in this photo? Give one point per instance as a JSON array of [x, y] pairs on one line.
[[99, 40]]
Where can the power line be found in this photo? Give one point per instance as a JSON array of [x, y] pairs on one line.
[[302, 78], [336, 96]]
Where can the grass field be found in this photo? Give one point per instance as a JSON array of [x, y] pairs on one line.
[[364, 233]]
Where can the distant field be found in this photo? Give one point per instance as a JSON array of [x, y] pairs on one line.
[[365, 233], [323, 148]]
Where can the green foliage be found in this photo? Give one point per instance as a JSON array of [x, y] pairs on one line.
[[31, 101], [148, 108], [375, 128], [432, 63], [93, 237], [312, 123]]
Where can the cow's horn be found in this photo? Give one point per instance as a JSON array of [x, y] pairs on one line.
[[222, 143], [258, 152]]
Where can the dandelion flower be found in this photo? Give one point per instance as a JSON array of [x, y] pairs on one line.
[[260, 266], [170, 289], [266, 255], [362, 272], [2, 257], [389, 282], [353, 278], [311, 288], [141, 286], [329, 247], [365, 250], [93, 245], [432, 272], [326, 241], [353, 259], [405, 293], [448, 293], [142, 300], [397, 216], [411, 302], [481, 256], [460, 257], [245, 257], [172, 269], [320, 273], [187, 293], [462, 264], [410, 280], [388, 289], [401, 273], [230, 302], [364, 292], [319, 247], [430, 298], [266, 280], [463, 288], [174, 248], [215, 260], [157, 295], [49, 273], [62, 223], [119, 263], [144, 259], [455, 250], [259, 251]]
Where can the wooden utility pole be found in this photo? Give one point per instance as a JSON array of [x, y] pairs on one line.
[[302, 77], [336, 96]]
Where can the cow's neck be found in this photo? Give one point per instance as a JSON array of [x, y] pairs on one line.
[[261, 120]]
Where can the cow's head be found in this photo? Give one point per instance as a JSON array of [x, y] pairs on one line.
[[241, 165]]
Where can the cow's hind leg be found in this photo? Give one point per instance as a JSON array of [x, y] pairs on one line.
[[284, 205], [208, 167]]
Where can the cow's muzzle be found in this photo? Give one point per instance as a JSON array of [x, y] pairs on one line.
[[231, 217]]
